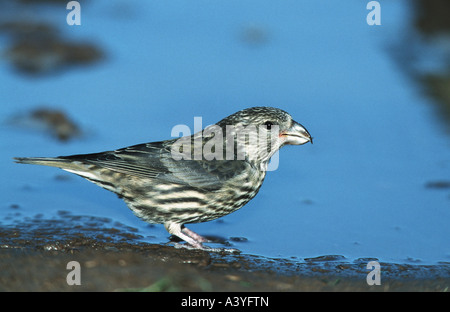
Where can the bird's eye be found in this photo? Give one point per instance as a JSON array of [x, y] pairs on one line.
[[268, 125]]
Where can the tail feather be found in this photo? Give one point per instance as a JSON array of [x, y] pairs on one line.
[[48, 161], [77, 167]]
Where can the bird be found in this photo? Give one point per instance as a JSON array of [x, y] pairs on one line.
[[194, 178]]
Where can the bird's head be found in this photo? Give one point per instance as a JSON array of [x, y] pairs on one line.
[[262, 131]]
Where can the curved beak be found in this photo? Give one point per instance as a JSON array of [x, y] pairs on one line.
[[296, 135]]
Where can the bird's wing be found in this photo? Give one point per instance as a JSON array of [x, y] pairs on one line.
[[155, 161]]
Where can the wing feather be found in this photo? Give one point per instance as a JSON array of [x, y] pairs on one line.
[[154, 161]]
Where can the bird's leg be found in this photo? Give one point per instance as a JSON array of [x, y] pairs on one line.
[[175, 229], [193, 239], [194, 235]]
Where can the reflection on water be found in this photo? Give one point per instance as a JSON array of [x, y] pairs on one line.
[[53, 121], [375, 182], [35, 48], [424, 52]]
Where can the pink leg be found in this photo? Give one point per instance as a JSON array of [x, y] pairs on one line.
[[175, 229], [193, 239], [194, 235]]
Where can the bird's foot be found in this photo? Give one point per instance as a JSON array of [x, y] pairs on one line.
[[207, 248], [193, 240]]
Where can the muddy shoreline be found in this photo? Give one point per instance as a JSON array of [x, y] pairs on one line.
[[34, 255]]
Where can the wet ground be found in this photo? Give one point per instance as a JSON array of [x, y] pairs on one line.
[[34, 255]]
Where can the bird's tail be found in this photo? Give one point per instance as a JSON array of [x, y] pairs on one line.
[[48, 161]]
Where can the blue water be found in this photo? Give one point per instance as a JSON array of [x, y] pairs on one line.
[[358, 191]]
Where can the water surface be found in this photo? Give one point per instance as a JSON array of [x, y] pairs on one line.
[[375, 182]]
